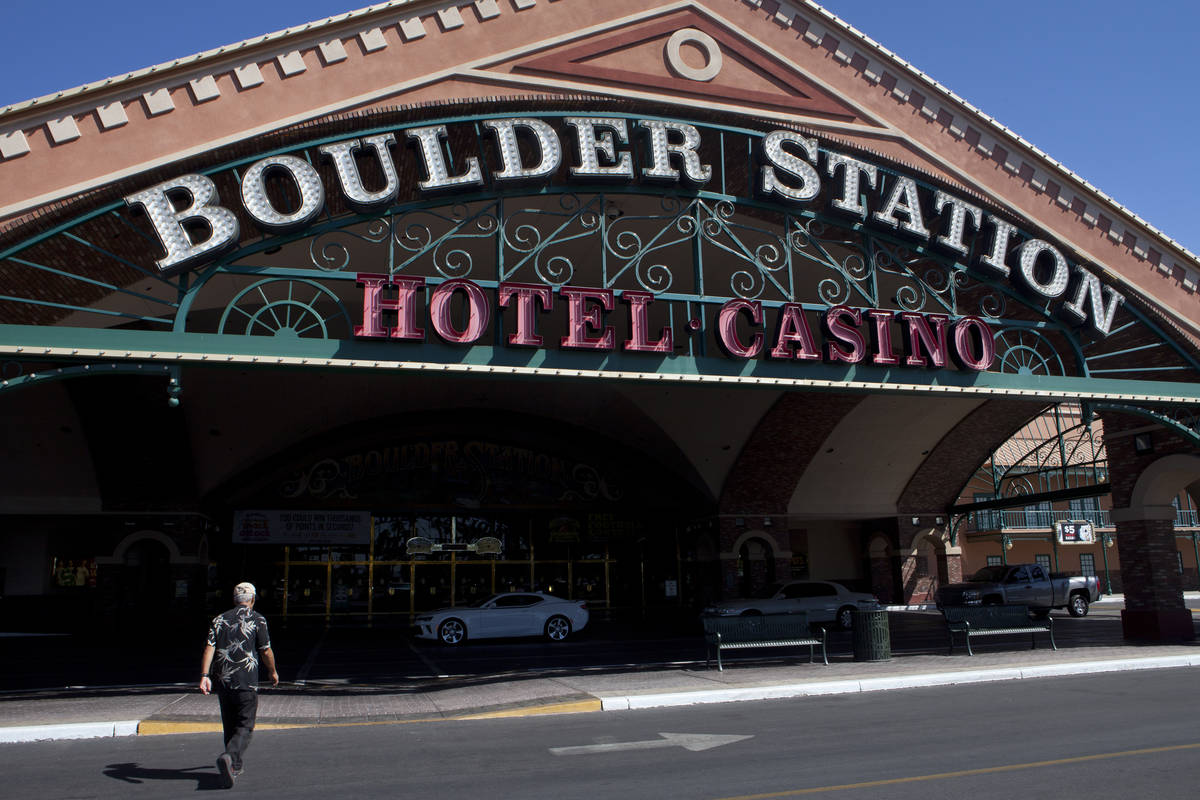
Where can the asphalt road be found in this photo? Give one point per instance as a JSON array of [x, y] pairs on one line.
[[1110, 735]]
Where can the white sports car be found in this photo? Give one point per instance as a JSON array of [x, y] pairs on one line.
[[507, 614]]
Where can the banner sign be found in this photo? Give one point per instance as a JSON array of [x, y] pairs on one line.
[[302, 527], [1075, 532]]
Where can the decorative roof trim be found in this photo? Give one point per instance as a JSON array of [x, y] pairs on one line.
[[988, 145]]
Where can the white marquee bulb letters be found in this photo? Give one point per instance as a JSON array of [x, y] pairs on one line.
[[259, 205], [169, 223], [342, 155], [803, 171]]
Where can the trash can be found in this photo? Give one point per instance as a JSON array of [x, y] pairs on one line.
[[872, 639]]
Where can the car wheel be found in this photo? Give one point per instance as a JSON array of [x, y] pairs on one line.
[[558, 628], [845, 618], [1078, 606], [452, 632]]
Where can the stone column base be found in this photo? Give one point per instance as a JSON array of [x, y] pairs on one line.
[[1162, 625]]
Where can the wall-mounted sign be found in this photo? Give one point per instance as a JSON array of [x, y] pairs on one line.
[[1074, 532], [302, 527], [789, 168]]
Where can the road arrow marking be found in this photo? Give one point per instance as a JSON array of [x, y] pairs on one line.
[[688, 741]]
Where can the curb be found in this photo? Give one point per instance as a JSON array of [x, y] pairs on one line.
[[631, 702], [75, 730], [93, 730]]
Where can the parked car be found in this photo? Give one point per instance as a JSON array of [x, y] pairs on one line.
[[825, 601], [505, 614], [1023, 585]]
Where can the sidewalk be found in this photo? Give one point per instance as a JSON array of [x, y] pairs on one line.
[[148, 711]]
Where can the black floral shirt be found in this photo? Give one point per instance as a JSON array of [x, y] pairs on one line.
[[237, 635]]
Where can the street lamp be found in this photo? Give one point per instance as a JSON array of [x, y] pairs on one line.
[[1108, 542]]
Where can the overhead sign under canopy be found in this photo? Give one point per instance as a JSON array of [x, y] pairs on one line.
[[300, 527]]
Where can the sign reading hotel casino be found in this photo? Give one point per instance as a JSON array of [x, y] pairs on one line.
[[793, 168]]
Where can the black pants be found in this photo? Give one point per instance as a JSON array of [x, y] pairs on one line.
[[238, 711]]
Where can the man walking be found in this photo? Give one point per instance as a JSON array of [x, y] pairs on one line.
[[237, 638]]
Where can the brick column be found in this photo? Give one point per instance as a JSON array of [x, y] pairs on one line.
[[1144, 519], [1154, 608]]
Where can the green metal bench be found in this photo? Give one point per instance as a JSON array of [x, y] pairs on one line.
[[773, 630], [994, 621]]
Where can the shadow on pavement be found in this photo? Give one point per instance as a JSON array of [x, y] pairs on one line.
[[132, 772]]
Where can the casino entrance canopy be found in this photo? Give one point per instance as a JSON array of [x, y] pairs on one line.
[[588, 240], [748, 248]]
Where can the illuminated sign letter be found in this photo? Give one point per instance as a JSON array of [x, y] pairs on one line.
[[837, 325], [810, 181], [259, 205], [1060, 276], [342, 155], [639, 334], [727, 335], [883, 356], [793, 330], [963, 351], [580, 319], [995, 259], [430, 141], [920, 338], [169, 223], [591, 147], [1102, 314], [956, 225], [903, 198], [850, 200], [510, 151], [661, 150], [374, 304], [478, 313], [527, 295]]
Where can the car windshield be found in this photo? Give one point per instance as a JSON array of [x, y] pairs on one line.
[[483, 601], [770, 591], [992, 574]]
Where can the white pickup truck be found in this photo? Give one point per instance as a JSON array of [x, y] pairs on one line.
[[1023, 585]]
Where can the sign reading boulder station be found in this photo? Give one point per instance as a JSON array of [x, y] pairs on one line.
[[195, 225]]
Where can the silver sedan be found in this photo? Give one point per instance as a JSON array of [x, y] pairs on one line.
[[502, 615], [825, 601]]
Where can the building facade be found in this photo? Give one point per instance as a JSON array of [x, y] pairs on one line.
[[640, 302]]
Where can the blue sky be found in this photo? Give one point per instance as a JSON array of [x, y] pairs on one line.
[[1105, 87]]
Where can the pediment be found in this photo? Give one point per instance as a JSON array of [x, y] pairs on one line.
[[686, 55]]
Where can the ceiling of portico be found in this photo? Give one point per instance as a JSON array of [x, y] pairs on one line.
[[872, 453]]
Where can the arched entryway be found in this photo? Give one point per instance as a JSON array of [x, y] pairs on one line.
[[1150, 466]]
